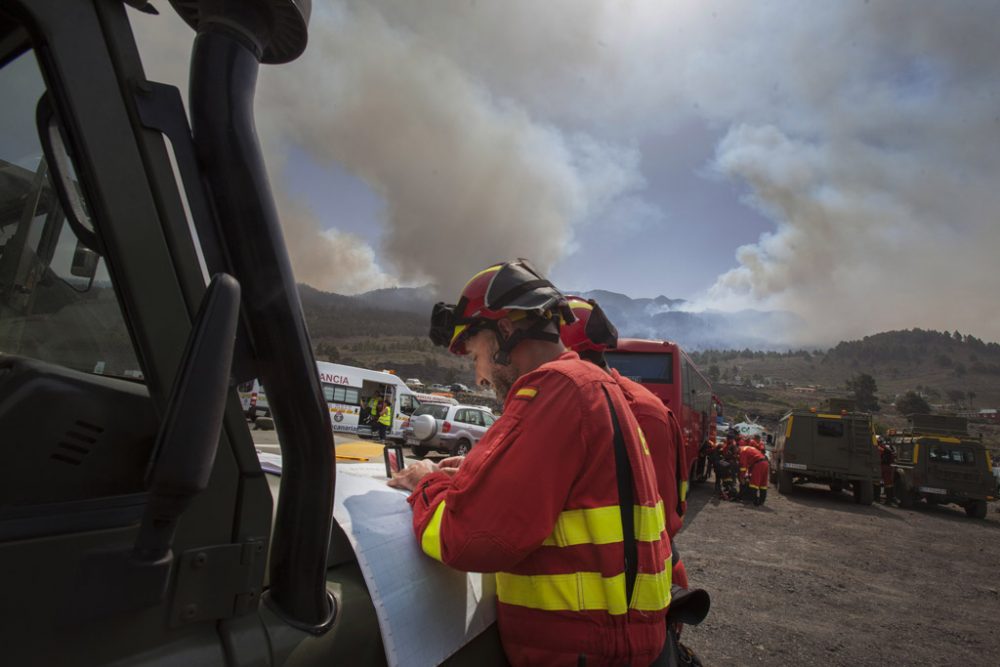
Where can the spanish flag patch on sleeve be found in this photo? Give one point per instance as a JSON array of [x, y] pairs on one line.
[[526, 393]]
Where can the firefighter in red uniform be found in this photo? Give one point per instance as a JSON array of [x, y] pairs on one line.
[[589, 336], [559, 498], [887, 456], [753, 472]]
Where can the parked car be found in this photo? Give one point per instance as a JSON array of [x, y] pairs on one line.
[[452, 429], [458, 386], [414, 383]]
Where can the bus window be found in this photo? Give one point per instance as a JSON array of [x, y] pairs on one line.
[[643, 367]]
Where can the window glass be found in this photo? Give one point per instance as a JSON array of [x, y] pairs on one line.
[[57, 303], [407, 404], [474, 417], [830, 428], [436, 410], [488, 419], [338, 393], [655, 367], [952, 455]]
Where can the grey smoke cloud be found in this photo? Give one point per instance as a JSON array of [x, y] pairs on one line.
[[869, 133], [468, 178]]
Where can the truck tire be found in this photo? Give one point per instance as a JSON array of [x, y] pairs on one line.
[[784, 481], [864, 493], [976, 509], [837, 485]]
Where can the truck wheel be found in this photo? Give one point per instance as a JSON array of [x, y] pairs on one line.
[[420, 451], [784, 481], [837, 485], [462, 448], [976, 509], [864, 493]]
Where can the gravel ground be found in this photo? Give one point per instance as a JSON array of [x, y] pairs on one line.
[[813, 578]]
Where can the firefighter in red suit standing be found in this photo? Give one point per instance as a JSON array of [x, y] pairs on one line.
[[754, 471], [887, 456], [559, 498], [589, 336]]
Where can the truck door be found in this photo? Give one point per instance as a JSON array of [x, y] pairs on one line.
[[831, 447]]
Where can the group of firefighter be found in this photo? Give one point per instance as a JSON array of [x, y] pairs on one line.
[[740, 466]]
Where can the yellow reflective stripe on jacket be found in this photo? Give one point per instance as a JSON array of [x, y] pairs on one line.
[[527, 392], [430, 541], [603, 525], [584, 591], [684, 490], [642, 439]]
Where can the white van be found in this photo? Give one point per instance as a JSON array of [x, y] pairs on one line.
[[253, 400], [347, 390]]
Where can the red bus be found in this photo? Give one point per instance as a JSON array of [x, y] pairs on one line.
[[667, 371]]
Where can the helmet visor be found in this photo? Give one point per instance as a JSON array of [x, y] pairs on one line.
[[600, 330], [519, 286]]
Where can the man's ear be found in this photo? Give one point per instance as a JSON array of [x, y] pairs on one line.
[[506, 327]]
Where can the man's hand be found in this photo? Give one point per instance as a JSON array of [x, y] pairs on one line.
[[450, 465], [409, 477]]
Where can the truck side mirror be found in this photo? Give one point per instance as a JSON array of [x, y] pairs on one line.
[[85, 262]]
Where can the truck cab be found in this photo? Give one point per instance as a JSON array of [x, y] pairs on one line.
[[836, 448], [938, 461], [143, 278]]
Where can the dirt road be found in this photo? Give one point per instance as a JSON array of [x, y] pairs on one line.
[[811, 578]]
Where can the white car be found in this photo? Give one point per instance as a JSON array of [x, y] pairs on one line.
[[452, 429]]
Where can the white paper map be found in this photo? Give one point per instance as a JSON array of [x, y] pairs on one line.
[[426, 610]]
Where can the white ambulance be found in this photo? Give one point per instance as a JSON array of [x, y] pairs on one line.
[[347, 390]]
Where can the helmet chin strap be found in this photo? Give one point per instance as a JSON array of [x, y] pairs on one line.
[[506, 345]]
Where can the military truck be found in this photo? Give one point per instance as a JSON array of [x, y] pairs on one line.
[[143, 277], [937, 460], [835, 447]]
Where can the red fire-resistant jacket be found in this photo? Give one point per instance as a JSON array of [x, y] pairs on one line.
[[663, 434], [754, 467], [536, 501]]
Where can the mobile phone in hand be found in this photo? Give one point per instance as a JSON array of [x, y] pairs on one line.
[[394, 462]]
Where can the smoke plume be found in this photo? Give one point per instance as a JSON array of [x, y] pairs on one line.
[[868, 133]]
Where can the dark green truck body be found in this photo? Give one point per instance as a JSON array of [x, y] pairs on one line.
[[834, 448], [938, 461]]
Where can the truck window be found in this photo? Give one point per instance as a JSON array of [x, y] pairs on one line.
[[57, 302], [830, 428], [643, 367], [954, 455]]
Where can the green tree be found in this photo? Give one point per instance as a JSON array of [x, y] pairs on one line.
[[713, 373], [956, 395], [913, 403], [864, 391]]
